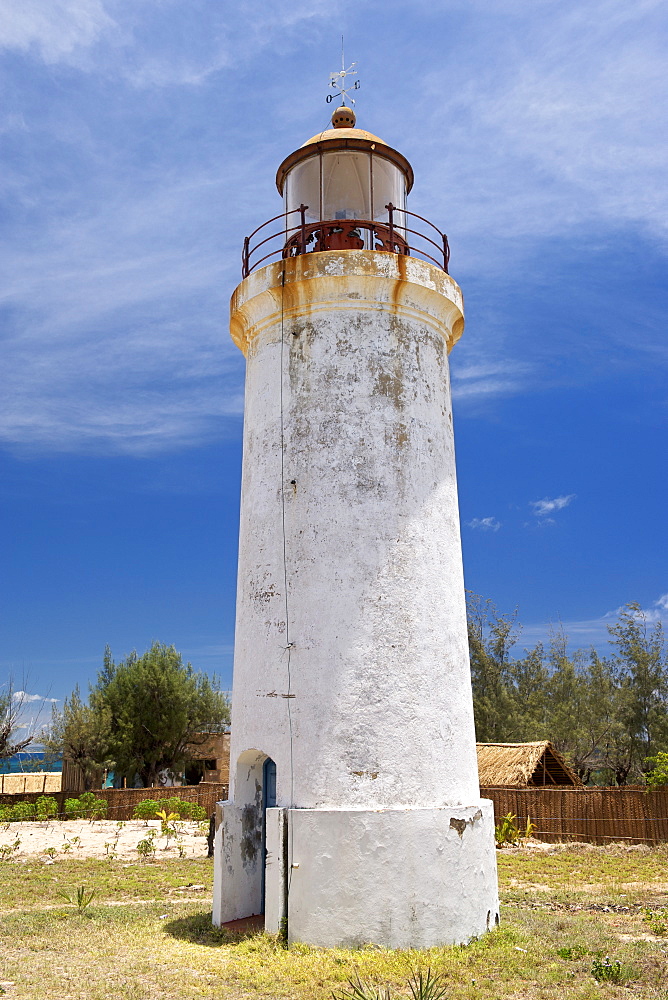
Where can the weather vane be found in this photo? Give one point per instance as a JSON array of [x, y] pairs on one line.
[[338, 81]]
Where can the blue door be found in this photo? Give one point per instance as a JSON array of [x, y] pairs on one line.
[[268, 802]]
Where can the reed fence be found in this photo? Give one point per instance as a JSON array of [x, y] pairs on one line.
[[122, 801], [592, 815]]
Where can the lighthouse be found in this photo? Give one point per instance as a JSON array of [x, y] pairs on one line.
[[354, 813]]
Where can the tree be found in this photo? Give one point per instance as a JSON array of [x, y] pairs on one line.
[[82, 734], [641, 664], [12, 704], [158, 706], [491, 637]]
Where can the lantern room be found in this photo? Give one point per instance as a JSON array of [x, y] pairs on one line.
[[345, 189]]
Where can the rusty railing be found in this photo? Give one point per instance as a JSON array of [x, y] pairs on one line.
[[395, 235]]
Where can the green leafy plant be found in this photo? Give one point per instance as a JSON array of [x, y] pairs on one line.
[[146, 810], [657, 776], [92, 807], [77, 842], [185, 810], [5, 814], [606, 971], [146, 847], [72, 809], [81, 900], [50, 852], [46, 807], [572, 952], [22, 811], [167, 821], [656, 921], [507, 832], [67, 847], [6, 851], [528, 830]]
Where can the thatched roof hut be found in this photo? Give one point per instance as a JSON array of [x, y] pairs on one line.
[[519, 765]]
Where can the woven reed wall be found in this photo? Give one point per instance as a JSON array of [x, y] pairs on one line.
[[593, 815], [123, 800]]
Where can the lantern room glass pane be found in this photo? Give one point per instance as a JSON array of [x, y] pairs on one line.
[[346, 185], [389, 187], [302, 187]]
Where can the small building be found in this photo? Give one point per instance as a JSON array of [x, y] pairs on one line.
[[522, 765], [208, 759]]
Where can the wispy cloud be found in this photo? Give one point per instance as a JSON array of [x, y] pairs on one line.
[[541, 508], [484, 523], [55, 29], [488, 378], [23, 697], [585, 633]]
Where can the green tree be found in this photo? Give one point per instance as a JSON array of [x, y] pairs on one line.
[[641, 665], [491, 637], [82, 734], [530, 693], [158, 706]]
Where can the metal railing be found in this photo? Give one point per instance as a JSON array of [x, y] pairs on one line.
[[392, 236]]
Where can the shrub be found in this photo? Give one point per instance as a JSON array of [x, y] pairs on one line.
[[148, 809], [87, 806], [72, 809], [92, 807], [607, 971], [5, 814], [46, 807], [185, 810], [22, 811]]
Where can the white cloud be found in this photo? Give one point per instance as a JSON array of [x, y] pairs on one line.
[[542, 508], [484, 523], [585, 633], [556, 122], [488, 378], [55, 28], [24, 697]]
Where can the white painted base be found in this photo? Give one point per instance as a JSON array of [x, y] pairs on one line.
[[398, 878]]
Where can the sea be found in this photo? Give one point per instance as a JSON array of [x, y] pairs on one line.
[[27, 761]]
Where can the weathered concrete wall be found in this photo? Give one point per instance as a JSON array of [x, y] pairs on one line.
[[411, 878], [375, 593]]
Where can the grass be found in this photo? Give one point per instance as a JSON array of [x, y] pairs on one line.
[[147, 935]]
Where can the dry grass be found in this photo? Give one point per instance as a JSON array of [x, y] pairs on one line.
[[140, 938]]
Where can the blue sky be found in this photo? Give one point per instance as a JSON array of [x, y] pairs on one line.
[[140, 140]]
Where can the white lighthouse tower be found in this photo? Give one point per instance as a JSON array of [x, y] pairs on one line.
[[354, 812]]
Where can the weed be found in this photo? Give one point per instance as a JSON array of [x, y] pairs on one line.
[[656, 921], [82, 899], [50, 852], [67, 847], [605, 971], [359, 990], [422, 986], [146, 847], [167, 823], [571, 953], [427, 987], [507, 832]]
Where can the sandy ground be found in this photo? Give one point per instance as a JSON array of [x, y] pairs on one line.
[[97, 839]]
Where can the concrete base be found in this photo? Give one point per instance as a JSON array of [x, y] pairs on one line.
[[398, 878]]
